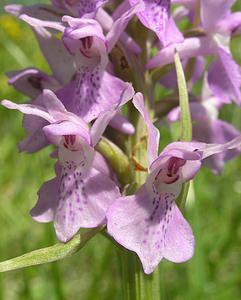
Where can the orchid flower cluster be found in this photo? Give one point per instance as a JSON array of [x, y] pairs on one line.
[[107, 59]]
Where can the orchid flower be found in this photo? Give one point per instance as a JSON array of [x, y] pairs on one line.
[[218, 24], [92, 89], [208, 128], [80, 194], [149, 222]]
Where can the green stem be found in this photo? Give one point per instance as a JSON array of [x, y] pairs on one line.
[[136, 284]]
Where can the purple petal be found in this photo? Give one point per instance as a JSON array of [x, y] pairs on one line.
[[58, 58], [120, 9], [29, 109], [79, 29], [89, 8], [35, 119], [104, 118], [191, 47], [32, 81], [156, 16], [214, 11], [54, 132], [211, 131], [53, 104], [153, 133], [186, 173], [141, 223], [46, 205], [211, 149], [174, 114], [231, 23], [221, 132], [83, 201], [179, 239], [122, 124], [121, 23], [56, 109], [185, 151], [171, 34], [95, 92], [35, 139], [107, 22], [35, 22], [224, 78]]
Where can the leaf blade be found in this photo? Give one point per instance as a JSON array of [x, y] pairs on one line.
[[185, 115], [49, 254]]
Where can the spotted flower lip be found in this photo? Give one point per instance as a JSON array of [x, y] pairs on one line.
[[80, 194], [149, 222]]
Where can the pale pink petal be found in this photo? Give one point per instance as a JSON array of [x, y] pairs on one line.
[[46, 205], [107, 22], [141, 223], [32, 81], [83, 201], [214, 11], [104, 118], [29, 109], [191, 47], [34, 22], [179, 240], [122, 124], [224, 78], [120, 25], [55, 131], [211, 149], [156, 16], [57, 56]]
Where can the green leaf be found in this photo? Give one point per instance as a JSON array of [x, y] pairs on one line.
[[49, 254], [185, 119]]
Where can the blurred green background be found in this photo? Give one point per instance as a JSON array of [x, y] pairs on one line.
[[93, 273]]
